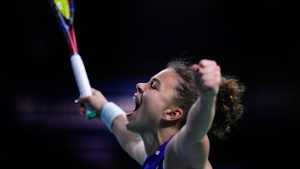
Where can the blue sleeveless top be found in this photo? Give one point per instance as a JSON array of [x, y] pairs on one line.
[[155, 160]]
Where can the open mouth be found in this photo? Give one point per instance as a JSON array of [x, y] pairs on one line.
[[137, 104]]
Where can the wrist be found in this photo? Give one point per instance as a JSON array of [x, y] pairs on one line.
[[108, 114]]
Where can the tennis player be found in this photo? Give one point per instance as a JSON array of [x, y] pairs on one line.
[[175, 114]]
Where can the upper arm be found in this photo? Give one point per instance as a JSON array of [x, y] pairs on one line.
[[137, 151], [131, 142], [185, 152], [191, 145]]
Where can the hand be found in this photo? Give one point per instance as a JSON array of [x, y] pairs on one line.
[[96, 101], [207, 76]]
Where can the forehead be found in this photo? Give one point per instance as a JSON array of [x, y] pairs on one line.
[[168, 77]]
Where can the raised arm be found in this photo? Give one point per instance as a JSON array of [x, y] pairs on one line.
[[190, 145], [115, 120], [207, 78]]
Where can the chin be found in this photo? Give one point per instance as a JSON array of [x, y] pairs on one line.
[[131, 127]]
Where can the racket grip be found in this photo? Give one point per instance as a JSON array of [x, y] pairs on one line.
[[83, 83]]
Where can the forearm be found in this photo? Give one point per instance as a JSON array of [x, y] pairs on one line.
[[200, 117], [191, 143], [115, 120]]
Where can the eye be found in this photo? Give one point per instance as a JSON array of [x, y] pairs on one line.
[[153, 85]]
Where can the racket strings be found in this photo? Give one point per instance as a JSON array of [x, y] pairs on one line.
[[65, 13], [74, 42]]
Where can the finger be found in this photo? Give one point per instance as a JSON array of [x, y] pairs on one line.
[[207, 77], [82, 111], [195, 67], [81, 99], [206, 62], [94, 91], [211, 80], [211, 74], [209, 69]]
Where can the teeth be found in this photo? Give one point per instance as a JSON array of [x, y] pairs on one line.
[[136, 103], [128, 114]]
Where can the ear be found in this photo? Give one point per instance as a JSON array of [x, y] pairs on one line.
[[172, 114]]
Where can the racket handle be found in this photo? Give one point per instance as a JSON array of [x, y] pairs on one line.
[[83, 83]]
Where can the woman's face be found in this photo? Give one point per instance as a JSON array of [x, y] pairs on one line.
[[152, 100]]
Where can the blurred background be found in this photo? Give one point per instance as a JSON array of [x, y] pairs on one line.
[[126, 42]]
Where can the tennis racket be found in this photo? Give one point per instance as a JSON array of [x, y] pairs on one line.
[[64, 11]]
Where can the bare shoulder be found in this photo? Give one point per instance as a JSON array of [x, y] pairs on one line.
[[180, 154]]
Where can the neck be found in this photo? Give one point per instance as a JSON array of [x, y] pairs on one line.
[[153, 139]]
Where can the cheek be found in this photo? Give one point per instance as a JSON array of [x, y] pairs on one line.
[[152, 103], [153, 106]]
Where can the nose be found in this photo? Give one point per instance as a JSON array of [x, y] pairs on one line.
[[139, 87]]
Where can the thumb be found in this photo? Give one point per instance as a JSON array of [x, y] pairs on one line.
[[81, 99]]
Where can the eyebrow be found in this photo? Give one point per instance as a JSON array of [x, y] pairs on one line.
[[155, 80]]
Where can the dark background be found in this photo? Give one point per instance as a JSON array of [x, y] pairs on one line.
[[125, 42]]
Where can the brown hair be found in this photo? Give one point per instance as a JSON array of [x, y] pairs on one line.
[[229, 108]]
